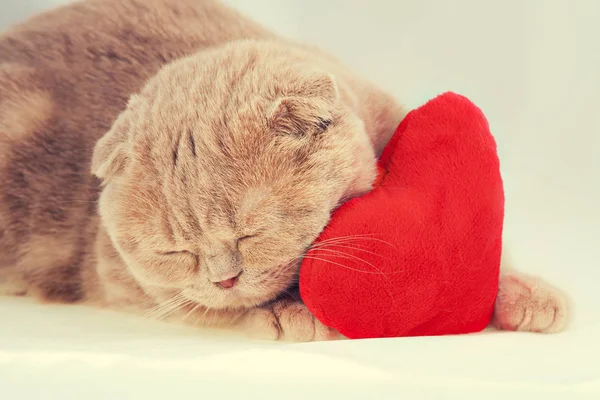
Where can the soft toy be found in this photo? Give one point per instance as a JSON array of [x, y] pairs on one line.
[[419, 254]]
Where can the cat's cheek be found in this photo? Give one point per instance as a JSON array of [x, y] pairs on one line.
[[259, 255], [163, 270]]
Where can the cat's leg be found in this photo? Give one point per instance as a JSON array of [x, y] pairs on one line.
[[528, 303], [286, 320], [24, 109], [38, 230]]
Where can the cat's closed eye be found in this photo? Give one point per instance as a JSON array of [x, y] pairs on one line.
[[181, 256], [247, 237], [174, 253]]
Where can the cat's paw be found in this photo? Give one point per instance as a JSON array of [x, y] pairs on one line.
[[529, 304], [287, 321]]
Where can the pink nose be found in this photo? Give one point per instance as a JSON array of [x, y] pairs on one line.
[[228, 283]]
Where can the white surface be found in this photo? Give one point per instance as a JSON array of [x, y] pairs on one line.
[[63, 352], [533, 66]]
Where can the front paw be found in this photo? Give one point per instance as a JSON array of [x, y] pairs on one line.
[[529, 304], [286, 320]]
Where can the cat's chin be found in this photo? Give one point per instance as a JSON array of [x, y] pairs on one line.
[[228, 299]]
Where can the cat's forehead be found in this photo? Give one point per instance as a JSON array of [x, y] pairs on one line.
[[253, 197]]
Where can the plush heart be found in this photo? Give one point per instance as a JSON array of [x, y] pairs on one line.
[[420, 253]]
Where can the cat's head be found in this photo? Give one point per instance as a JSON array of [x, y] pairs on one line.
[[224, 170]]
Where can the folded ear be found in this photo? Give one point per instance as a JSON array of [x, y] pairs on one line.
[[111, 153], [317, 85], [308, 109]]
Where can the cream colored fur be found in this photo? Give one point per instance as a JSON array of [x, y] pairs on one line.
[[220, 152]]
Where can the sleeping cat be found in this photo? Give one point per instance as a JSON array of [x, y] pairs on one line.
[[172, 158]]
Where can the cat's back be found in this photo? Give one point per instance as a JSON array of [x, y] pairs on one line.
[[90, 56], [64, 77]]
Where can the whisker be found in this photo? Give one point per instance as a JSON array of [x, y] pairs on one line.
[[345, 239], [385, 276], [193, 310], [347, 256], [343, 266], [180, 305], [380, 272], [176, 307], [309, 256], [169, 303], [345, 246], [213, 319], [351, 236], [201, 319]]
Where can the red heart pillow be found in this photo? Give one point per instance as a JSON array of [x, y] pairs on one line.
[[419, 254]]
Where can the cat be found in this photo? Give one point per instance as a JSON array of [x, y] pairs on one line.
[[174, 159]]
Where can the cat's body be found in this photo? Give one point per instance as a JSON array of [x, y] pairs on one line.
[[218, 172]]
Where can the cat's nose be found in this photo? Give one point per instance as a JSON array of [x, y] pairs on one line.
[[223, 270], [228, 283]]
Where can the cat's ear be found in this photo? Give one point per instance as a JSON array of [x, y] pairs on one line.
[[318, 86], [308, 110], [111, 153]]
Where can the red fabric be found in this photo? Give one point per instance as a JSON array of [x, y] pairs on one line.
[[420, 254]]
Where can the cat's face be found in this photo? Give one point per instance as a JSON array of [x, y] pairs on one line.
[[224, 170]]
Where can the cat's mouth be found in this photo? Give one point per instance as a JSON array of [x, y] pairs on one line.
[[248, 289], [228, 284]]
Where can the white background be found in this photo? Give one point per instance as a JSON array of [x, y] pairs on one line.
[[533, 66]]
